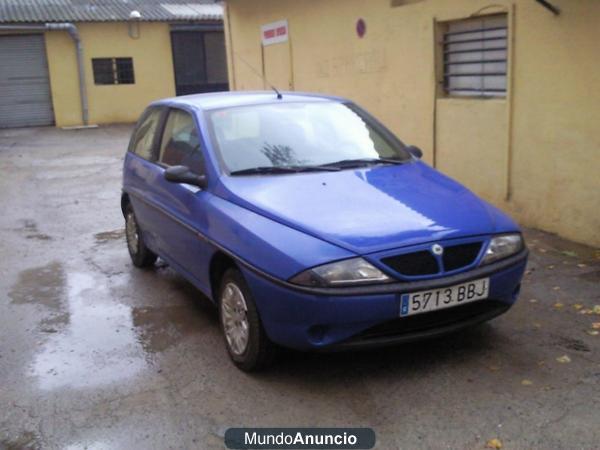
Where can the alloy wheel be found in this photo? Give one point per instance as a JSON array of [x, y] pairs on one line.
[[235, 319], [131, 232]]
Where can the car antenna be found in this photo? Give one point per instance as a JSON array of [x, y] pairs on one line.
[[260, 75], [279, 96]]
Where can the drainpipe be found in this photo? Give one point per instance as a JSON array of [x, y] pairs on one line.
[[74, 34]]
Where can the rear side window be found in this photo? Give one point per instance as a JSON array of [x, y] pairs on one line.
[[180, 145], [143, 138]]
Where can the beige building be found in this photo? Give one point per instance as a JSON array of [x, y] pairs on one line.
[[502, 95], [74, 62]]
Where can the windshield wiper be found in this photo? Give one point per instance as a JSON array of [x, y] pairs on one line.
[[283, 169], [358, 162]]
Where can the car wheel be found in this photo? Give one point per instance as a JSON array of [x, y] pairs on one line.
[[140, 254], [247, 343]]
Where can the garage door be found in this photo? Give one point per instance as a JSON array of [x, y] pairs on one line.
[[24, 84]]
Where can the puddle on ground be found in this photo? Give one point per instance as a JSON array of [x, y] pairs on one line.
[[39, 237], [31, 231], [98, 345], [107, 236], [54, 323], [27, 440], [41, 285], [162, 328], [91, 338], [571, 344]]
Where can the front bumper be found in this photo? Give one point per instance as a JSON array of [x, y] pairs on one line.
[[339, 318]]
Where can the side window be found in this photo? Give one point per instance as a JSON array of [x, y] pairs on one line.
[[180, 144], [143, 138]]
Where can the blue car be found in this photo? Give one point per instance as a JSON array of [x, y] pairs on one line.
[[310, 225]]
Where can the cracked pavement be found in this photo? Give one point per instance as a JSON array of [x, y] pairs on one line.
[[97, 354]]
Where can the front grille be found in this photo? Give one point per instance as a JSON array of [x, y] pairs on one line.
[[417, 263], [459, 256], [435, 319], [424, 262]]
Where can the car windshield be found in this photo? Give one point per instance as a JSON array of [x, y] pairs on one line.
[[303, 136]]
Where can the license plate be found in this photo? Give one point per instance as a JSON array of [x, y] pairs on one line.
[[424, 301]]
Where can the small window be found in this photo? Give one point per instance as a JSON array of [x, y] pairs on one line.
[[142, 142], [113, 70], [475, 57], [180, 144]]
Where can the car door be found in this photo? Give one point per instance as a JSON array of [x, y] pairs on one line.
[[141, 172], [183, 204]]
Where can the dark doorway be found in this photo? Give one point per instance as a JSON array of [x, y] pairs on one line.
[[199, 59]]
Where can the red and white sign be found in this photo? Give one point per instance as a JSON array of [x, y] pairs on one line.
[[275, 32]]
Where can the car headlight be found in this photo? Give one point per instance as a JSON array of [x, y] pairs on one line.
[[502, 246], [349, 272]]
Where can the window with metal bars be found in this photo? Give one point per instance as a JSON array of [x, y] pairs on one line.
[[475, 53], [113, 70]]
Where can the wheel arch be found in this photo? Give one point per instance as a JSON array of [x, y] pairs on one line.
[[219, 263], [125, 201]]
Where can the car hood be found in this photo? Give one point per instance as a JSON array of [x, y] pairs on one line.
[[369, 209]]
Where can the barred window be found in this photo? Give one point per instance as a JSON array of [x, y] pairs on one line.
[[113, 70], [475, 57]]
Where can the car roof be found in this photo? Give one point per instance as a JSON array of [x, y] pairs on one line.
[[218, 100]]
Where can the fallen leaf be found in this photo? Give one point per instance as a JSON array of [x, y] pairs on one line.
[[533, 300], [564, 359], [596, 325], [543, 250], [577, 306], [586, 311], [569, 253], [593, 332], [494, 368], [526, 382], [581, 265], [597, 309], [494, 443], [556, 288], [558, 305], [537, 325], [551, 266]]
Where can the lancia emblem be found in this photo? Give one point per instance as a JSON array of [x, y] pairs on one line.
[[437, 249]]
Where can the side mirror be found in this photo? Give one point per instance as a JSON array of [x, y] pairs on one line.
[[183, 174], [415, 151]]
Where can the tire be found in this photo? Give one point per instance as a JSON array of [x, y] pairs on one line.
[[256, 351], [141, 256]]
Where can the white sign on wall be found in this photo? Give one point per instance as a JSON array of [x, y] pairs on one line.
[[275, 32]]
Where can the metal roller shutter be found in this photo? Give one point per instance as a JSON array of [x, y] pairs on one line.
[[24, 84]]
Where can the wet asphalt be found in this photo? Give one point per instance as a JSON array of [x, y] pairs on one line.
[[97, 354]]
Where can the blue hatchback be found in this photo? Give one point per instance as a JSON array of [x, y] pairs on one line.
[[310, 225]]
